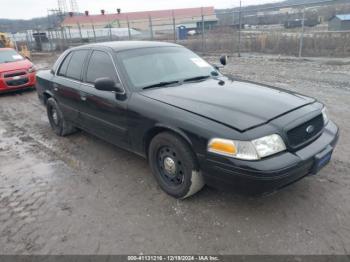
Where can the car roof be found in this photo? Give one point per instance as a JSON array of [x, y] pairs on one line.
[[127, 45]]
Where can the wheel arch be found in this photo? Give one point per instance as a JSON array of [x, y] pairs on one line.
[[47, 94], [160, 128]]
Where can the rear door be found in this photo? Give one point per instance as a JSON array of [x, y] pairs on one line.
[[66, 86], [103, 112]]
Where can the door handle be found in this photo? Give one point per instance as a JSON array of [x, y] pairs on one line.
[[55, 87], [83, 98]]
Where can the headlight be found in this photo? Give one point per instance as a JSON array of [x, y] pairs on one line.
[[233, 148], [269, 145], [31, 69], [247, 150], [325, 115]]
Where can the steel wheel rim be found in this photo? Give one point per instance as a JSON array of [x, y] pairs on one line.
[[54, 116], [170, 166]]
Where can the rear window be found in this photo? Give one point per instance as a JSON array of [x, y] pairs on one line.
[[74, 65], [63, 69]]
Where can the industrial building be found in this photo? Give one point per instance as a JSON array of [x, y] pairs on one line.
[[339, 23], [191, 18]]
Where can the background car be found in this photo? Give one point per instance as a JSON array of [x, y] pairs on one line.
[[16, 72]]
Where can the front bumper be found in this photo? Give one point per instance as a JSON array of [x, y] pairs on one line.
[[270, 174], [28, 81]]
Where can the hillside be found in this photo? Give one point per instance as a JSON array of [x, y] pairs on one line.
[[324, 8], [18, 25]]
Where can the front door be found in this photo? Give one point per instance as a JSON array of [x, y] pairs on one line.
[[103, 112]]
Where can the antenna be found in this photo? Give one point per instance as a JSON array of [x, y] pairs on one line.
[[62, 5], [74, 6]]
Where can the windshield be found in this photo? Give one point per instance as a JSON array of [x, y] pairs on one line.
[[7, 56], [151, 66]]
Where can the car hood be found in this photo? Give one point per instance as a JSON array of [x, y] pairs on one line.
[[239, 104], [22, 64]]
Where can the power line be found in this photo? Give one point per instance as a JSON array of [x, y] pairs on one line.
[[74, 6], [62, 5]]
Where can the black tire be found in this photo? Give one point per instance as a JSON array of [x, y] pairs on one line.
[[174, 165], [57, 121]]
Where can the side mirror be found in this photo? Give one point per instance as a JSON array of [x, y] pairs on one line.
[[107, 84], [223, 60]]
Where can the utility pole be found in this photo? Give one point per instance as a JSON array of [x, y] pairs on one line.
[[240, 27], [302, 34]]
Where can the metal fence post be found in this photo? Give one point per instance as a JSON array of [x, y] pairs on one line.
[[49, 37], [151, 27], [81, 36], [40, 41], [110, 30], [301, 43], [129, 32], [202, 30], [65, 35], [93, 30], [62, 40], [28, 41], [240, 27], [174, 26], [233, 31], [70, 35], [14, 41]]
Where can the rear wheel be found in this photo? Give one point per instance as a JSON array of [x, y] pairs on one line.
[[57, 121], [174, 165]]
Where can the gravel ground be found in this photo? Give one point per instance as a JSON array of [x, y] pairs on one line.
[[80, 195]]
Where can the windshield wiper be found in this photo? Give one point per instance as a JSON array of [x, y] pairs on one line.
[[161, 84], [197, 78]]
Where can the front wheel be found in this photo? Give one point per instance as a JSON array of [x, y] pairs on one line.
[[174, 165]]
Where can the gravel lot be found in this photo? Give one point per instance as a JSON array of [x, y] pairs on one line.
[[80, 195]]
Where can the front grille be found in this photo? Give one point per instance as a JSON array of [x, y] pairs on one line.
[[17, 82], [14, 74], [300, 135]]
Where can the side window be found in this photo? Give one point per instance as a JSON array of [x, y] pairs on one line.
[[76, 64], [63, 69], [100, 65]]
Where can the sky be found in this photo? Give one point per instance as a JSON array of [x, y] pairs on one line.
[[26, 9]]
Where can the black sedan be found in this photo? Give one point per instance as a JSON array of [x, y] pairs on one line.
[[194, 125]]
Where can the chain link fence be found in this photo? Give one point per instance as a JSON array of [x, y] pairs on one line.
[[287, 30]]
